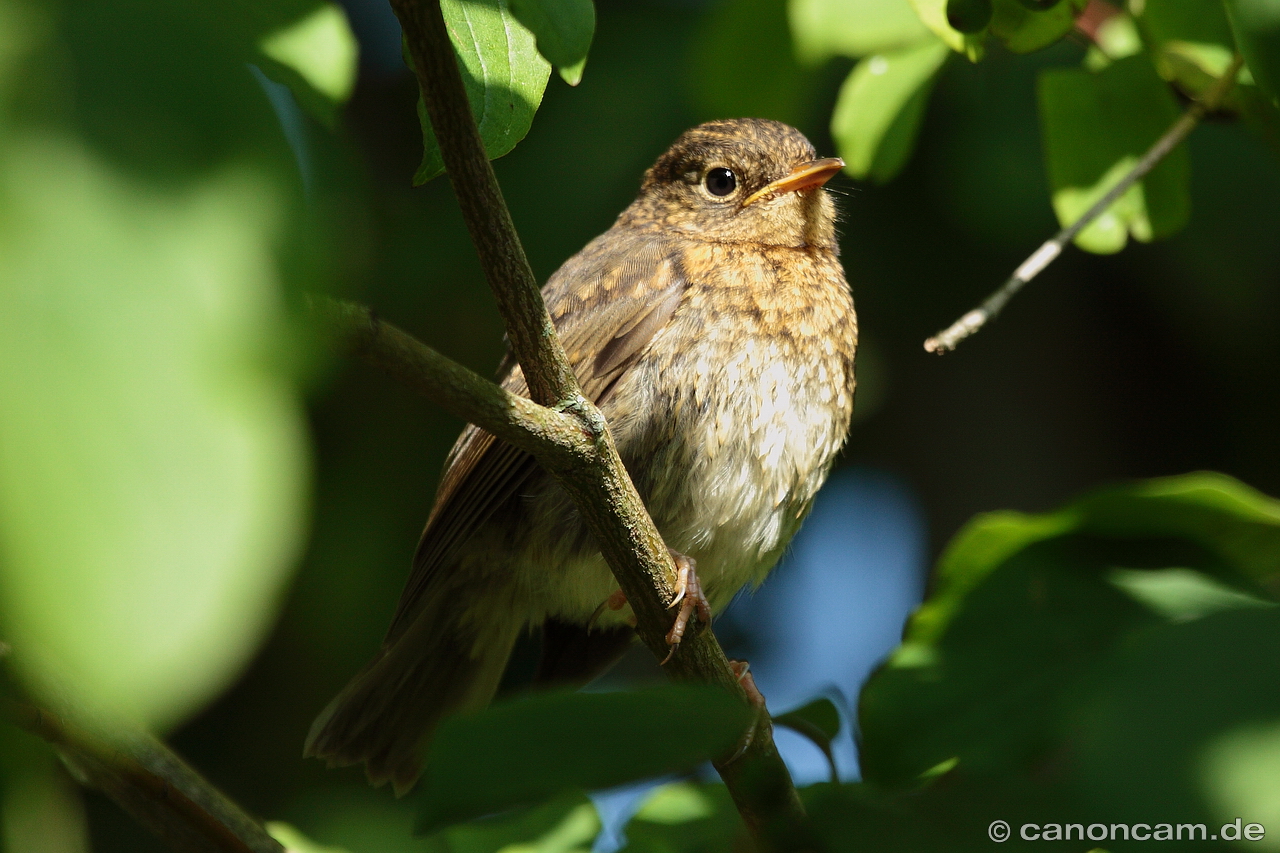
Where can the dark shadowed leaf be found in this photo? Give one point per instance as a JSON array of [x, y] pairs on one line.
[[933, 13], [1024, 29], [1028, 607], [819, 721], [563, 30], [526, 751], [1256, 24]]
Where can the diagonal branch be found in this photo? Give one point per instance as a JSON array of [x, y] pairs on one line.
[[950, 337], [142, 775], [598, 483]]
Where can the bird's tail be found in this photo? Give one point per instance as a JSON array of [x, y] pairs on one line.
[[385, 716]]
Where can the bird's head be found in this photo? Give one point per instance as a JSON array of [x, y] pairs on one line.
[[741, 180]]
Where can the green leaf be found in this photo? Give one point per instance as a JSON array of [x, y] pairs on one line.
[[880, 106], [1095, 127], [969, 16], [819, 721], [565, 824], [294, 841], [933, 13], [1027, 606], [563, 30], [1024, 29], [823, 29], [316, 57], [504, 75], [687, 817], [1256, 24], [153, 461], [528, 750]]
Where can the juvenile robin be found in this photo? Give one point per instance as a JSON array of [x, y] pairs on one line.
[[713, 326]]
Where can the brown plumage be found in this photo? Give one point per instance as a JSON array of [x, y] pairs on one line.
[[713, 326]]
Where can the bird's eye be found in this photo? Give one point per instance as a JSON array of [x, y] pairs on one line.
[[720, 181]]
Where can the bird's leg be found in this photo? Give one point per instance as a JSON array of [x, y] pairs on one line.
[[742, 669], [616, 601], [690, 599]]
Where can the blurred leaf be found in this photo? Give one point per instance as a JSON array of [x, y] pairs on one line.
[[1027, 607], [819, 721], [820, 715], [969, 16], [525, 751], [566, 824], [742, 63], [686, 816], [504, 75], [316, 57], [880, 106], [1024, 29], [823, 29], [1182, 595], [152, 465], [934, 15], [1187, 722], [293, 841], [1096, 126], [563, 30], [1256, 24]]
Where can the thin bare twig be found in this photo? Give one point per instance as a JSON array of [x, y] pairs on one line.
[[949, 338]]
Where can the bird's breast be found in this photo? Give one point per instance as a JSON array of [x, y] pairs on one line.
[[731, 420]]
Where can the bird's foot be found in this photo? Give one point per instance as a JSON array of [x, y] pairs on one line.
[[690, 600], [742, 669]]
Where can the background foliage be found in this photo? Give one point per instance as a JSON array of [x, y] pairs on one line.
[[204, 523]]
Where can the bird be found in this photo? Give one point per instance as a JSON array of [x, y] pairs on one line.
[[714, 328]]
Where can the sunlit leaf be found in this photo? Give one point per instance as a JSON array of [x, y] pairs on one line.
[[566, 824], [316, 57], [563, 30], [531, 749], [880, 107], [687, 817], [822, 29], [1096, 126], [504, 75], [294, 841], [152, 462]]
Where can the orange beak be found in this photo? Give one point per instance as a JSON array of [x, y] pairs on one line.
[[815, 173]]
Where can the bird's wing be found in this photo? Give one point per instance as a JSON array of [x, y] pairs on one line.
[[607, 303]]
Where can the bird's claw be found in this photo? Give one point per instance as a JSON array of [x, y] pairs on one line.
[[689, 599], [742, 669]]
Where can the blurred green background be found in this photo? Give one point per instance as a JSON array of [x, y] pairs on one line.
[[160, 221]]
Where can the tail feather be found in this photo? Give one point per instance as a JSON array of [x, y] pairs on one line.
[[386, 715]]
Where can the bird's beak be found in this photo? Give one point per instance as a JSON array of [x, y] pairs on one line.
[[815, 173]]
